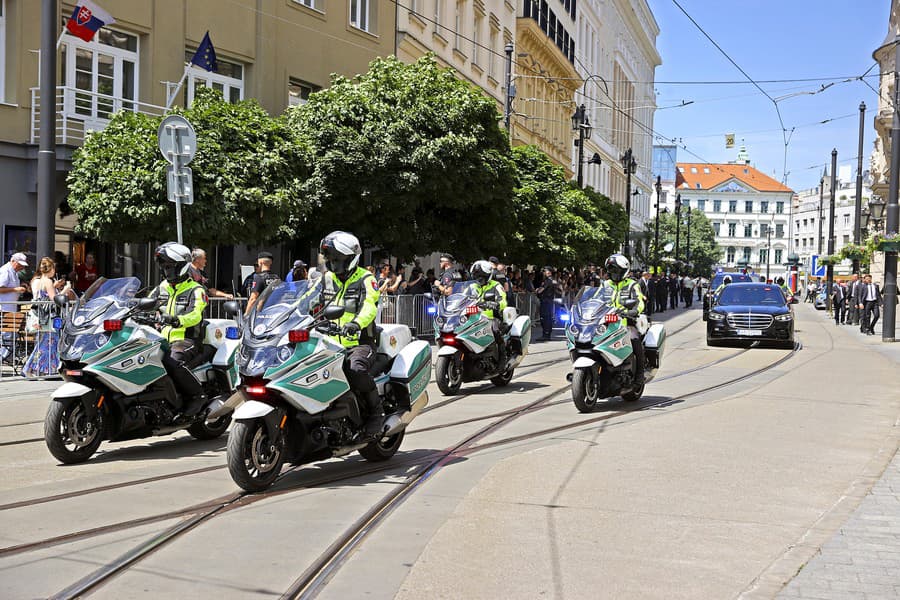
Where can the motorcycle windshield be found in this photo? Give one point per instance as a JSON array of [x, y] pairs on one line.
[[105, 297], [592, 303], [463, 294]]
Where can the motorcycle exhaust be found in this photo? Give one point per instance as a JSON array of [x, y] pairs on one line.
[[397, 422], [219, 409], [569, 377]]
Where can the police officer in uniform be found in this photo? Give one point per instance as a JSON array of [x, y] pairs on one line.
[[617, 266], [483, 274], [356, 290], [447, 276], [548, 290], [183, 301]]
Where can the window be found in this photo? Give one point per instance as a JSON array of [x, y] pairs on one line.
[[299, 91], [763, 230], [701, 204], [716, 227], [228, 80], [846, 220], [693, 169], [747, 253], [846, 239], [748, 206], [778, 256], [804, 223], [102, 72], [438, 13], [698, 186], [779, 230], [459, 24], [706, 170], [717, 206], [729, 255], [493, 58], [804, 242], [748, 230], [764, 207], [476, 39], [685, 205], [313, 4], [779, 208], [763, 255], [732, 206], [732, 228], [361, 14]]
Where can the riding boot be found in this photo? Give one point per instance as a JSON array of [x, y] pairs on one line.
[[375, 420]]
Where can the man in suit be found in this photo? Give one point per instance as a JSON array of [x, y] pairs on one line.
[[674, 290], [868, 299], [838, 302], [852, 311], [648, 289]]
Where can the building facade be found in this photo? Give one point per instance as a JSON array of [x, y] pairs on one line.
[[749, 211], [616, 57], [277, 51]]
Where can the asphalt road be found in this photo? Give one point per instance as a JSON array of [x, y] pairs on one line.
[[723, 480]]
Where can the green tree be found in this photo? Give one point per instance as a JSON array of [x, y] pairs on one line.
[[409, 158], [704, 251], [613, 214], [555, 223], [248, 174]]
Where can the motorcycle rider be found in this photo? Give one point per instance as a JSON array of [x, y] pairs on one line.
[[482, 273], [183, 301], [725, 281], [625, 288], [356, 290], [779, 281]]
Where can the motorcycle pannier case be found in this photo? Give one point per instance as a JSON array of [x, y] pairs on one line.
[[412, 369], [655, 344]]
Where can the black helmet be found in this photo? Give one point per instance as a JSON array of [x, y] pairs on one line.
[[617, 266], [341, 251], [726, 280], [174, 262], [549, 268], [482, 271], [779, 280]]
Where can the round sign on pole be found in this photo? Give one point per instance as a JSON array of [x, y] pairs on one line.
[[177, 139]]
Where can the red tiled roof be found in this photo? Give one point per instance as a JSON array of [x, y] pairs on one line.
[[719, 174]]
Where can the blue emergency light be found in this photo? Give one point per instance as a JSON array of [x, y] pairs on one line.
[[232, 333], [57, 323], [431, 309]]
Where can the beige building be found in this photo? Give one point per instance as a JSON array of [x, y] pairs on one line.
[[278, 51]]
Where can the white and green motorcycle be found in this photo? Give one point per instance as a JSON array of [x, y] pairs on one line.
[[294, 403], [116, 385]]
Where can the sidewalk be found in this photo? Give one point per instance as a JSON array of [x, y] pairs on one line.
[[861, 560]]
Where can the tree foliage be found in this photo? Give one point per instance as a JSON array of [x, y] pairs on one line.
[[410, 158], [248, 173], [704, 254]]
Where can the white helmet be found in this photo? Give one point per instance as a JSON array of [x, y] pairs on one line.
[[617, 266], [174, 261], [482, 271], [341, 251]]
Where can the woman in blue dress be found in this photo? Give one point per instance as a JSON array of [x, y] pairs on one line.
[[44, 359]]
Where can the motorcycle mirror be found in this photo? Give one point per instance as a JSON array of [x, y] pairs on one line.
[[147, 304], [60, 300], [231, 308], [333, 313]]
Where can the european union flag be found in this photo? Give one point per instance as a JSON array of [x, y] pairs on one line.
[[205, 56]]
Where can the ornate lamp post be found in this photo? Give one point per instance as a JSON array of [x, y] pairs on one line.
[[582, 125], [629, 165]]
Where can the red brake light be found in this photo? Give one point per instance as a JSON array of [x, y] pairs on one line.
[[112, 325], [256, 390], [471, 310], [612, 317], [448, 339], [298, 335]]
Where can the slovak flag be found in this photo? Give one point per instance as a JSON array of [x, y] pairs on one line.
[[87, 19]]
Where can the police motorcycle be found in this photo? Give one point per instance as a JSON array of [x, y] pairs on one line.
[[116, 387], [295, 404], [603, 363], [467, 348]]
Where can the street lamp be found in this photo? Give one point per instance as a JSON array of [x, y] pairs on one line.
[[629, 165], [687, 252], [582, 125], [768, 250], [656, 237], [677, 224], [864, 218], [876, 210]]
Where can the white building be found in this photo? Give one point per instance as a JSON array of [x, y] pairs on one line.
[[744, 206], [811, 217], [615, 49]]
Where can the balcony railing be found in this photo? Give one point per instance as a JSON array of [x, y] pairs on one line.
[[79, 112]]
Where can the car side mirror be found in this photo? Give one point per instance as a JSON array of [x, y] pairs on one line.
[[147, 304], [231, 308], [60, 300], [630, 303], [333, 313]]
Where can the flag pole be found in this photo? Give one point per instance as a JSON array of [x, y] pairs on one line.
[[180, 83], [59, 41]]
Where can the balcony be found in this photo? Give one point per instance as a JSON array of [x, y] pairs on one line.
[[79, 112]]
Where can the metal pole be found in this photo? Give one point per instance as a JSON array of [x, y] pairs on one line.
[[509, 96], [830, 267], [627, 161], [857, 232], [581, 121], [46, 167], [687, 251], [888, 330], [768, 251], [656, 238], [677, 224]]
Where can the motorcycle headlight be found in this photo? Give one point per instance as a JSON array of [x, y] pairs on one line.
[[573, 329], [714, 316], [463, 319], [439, 321], [284, 352], [784, 317]]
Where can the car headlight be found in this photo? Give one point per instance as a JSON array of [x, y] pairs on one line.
[[714, 316], [784, 317]]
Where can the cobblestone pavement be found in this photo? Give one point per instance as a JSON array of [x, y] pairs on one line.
[[862, 560]]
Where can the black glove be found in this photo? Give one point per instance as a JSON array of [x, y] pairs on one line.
[[350, 329], [170, 320], [490, 305]]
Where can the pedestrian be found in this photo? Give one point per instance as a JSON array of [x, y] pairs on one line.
[[662, 292], [444, 282], [10, 290], [852, 310], [702, 283], [868, 300], [547, 293], [417, 284], [674, 291], [44, 359], [261, 280], [687, 285], [837, 303], [298, 272], [648, 289], [86, 274], [198, 273]]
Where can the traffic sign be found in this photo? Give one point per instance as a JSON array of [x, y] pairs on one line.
[[177, 139], [180, 184], [815, 269]]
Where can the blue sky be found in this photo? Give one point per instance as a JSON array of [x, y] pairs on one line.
[[769, 39]]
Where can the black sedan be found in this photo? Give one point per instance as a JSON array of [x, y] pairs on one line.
[[751, 312]]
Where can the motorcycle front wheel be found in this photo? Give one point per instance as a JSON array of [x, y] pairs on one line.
[[585, 391], [71, 436], [448, 373], [254, 460]]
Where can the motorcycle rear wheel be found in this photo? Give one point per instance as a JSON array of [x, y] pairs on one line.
[[66, 426], [503, 379], [634, 395], [253, 461], [585, 392], [448, 373], [203, 430], [382, 449]]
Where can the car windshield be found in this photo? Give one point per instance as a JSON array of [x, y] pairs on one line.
[[592, 302], [735, 278], [285, 306], [462, 295], [751, 295], [103, 295]]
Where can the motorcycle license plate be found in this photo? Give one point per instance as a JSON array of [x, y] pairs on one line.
[[749, 332]]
